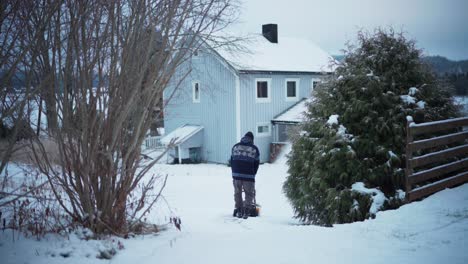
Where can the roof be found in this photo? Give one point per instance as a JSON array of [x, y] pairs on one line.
[[181, 134], [294, 114], [288, 55]]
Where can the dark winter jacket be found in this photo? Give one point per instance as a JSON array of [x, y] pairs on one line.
[[245, 160]]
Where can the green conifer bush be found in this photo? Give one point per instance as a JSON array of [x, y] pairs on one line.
[[355, 130]]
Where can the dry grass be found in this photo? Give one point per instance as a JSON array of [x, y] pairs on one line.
[[23, 153]]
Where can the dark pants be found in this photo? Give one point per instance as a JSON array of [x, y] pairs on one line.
[[249, 190]]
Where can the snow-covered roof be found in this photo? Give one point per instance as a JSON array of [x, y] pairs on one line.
[[289, 54], [294, 114], [181, 134]]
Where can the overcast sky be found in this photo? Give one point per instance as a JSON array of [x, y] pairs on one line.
[[440, 27]]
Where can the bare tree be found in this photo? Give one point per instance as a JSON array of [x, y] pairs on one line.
[[17, 59], [108, 63]]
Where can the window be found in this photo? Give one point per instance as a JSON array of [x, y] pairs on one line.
[[262, 90], [263, 129], [315, 82], [282, 132], [196, 91], [292, 89]]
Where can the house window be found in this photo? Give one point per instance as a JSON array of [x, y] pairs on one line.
[[196, 92], [281, 132], [292, 89], [315, 82], [263, 130], [262, 90]]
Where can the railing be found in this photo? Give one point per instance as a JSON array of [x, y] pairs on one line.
[[153, 142], [447, 173]]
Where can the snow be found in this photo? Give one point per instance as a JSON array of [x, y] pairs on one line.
[[463, 102], [408, 99], [294, 114], [413, 91], [289, 54], [341, 130], [333, 120], [161, 131], [421, 104], [55, 249], [391, 155], [378, 198], [181, 134], [434, 230], [400, 194]]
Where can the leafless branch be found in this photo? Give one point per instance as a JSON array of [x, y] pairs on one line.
[[101, 67]]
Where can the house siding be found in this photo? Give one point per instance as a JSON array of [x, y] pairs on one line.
[[253, 113], [216, 110]]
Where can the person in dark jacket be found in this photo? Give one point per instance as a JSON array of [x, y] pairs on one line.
[[245, 159]]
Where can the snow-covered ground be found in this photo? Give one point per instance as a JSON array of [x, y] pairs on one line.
[[434, 230], [463, 102]]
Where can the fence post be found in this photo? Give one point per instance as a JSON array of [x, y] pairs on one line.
[[409, 155]]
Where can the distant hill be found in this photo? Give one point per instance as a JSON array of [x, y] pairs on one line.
[[453, 72], [443, 66]]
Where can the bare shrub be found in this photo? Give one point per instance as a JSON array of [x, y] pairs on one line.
[[110, 61]]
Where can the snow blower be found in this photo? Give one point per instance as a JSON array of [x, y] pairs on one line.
[[253, 213], [256, 212]]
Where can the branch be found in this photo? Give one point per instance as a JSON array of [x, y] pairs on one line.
[[22, 195]]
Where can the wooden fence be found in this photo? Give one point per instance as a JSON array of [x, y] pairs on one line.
[[447, 173]]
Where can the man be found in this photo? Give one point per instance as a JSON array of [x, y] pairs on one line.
[[244, 166]]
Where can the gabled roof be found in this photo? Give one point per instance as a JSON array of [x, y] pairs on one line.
[[288, 55], [181, 134], [294, 114]]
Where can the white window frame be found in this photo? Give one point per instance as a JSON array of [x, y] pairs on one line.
[[257, 134], [297, 81], [312, 83], [268, 98], [193, 92]]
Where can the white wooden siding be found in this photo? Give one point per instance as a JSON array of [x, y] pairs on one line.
[[216, 111]]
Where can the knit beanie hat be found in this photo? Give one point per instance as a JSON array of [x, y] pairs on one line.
[[250, 135]]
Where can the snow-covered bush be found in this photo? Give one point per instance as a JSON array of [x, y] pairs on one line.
[[355, 130]]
